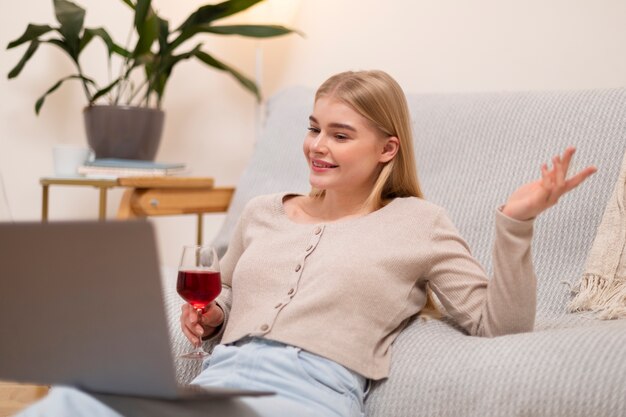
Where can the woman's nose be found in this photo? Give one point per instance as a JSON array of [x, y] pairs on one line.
[[319, 143]]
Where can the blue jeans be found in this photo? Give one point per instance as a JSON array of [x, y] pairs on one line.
[[315, 383], [306, 385]]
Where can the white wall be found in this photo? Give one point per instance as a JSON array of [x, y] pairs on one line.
[[455, 45], [428, 45]]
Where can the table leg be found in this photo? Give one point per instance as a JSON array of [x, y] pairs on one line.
[[44, 204], [102, 211], [199, 236], [125, 210]]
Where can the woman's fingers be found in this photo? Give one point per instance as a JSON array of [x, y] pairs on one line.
[[564, 184], [214, 316], [188, 332], [577, 179], [191, 336], [545, 177], [561, 183], [533, 198], [196, 326], [189, 323], [190, 317], [559, 172], [567, 158], [558, 181]]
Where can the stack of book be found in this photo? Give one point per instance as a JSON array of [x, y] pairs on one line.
[[116, 168]]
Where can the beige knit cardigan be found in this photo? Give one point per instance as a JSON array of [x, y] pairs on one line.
[[345, 289]]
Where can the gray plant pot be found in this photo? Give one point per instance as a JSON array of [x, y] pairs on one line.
[[124, 131]]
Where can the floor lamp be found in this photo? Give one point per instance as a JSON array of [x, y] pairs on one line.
[[268, 12]]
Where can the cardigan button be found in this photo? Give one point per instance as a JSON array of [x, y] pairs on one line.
[[317, 230], [291, 291], [265, 327], [309, 248], [298, 267], [278, 305]]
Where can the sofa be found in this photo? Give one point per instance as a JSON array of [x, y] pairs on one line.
[[472, 151]]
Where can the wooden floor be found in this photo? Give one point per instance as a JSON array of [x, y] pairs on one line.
[[14, 396]]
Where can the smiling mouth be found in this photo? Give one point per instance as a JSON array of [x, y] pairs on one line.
[[322, 164]]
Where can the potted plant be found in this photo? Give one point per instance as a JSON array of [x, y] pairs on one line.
[[129, 125]]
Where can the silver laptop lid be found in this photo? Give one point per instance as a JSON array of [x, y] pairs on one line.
[[81, 304]]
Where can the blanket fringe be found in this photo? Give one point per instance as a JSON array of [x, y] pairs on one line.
[[606, 298]]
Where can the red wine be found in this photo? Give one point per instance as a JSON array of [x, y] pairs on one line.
[[199, 287]]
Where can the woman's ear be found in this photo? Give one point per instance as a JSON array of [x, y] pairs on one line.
[[391, 148]]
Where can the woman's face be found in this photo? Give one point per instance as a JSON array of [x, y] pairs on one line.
[[344, 151]]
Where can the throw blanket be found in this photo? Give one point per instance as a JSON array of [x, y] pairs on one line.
[[602, 288]]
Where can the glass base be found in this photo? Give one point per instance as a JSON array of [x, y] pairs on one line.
[[196, 354]]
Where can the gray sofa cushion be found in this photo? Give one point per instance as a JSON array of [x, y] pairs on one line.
[[571, 372], [277, 163], [473, 150]]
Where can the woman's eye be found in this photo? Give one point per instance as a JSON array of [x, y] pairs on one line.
[[341, 137], [313, 129]]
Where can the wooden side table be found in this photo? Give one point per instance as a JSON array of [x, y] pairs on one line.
[[162, 196], [151, 196], [102, 185]]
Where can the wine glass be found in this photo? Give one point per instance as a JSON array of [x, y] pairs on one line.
[[199, 283]]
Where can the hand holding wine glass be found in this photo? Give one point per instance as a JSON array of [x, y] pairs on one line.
[[199, 283], [195, 326]]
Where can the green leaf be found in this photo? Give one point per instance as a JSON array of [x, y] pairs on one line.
[[86, 40], [164, 33], [61, 44], [129, 4], [101, 33], [141, 12], [159, 71], [71, 17], [243, 80], [32, 32], [27, 55], [41, 99], [104, 91], [158, 86], [255, 31], [170, 61], [212, 12], [148, 31]]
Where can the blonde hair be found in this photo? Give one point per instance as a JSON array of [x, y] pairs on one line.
[[376, 96], [380, 99]]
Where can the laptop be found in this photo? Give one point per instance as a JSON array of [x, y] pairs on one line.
[[81, 304]]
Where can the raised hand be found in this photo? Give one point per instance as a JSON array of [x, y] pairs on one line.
[[531, 199]]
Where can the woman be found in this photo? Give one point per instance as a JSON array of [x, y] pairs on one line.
[[335, 274], [317, 287]]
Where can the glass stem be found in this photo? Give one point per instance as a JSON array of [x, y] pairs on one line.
[[199, 346]]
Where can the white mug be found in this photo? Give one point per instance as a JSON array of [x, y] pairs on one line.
[[67, 159]]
